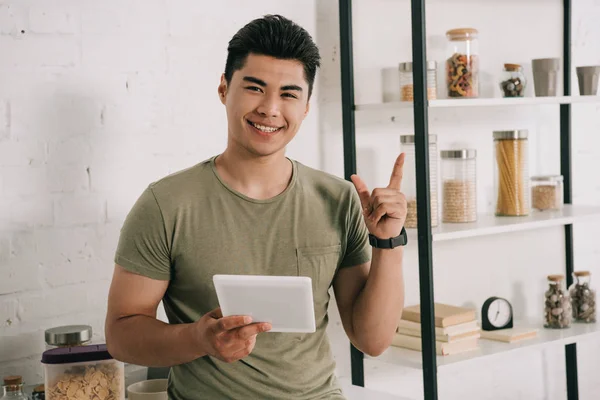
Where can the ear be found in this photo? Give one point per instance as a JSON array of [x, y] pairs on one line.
[[307, 108], [222, 89]]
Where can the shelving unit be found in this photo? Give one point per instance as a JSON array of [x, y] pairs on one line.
[[489, 102], [490, 348], [426, 360]]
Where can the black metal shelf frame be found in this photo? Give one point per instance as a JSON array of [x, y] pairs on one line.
[[419, 53]]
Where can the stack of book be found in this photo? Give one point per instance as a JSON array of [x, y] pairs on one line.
[[456, 329]]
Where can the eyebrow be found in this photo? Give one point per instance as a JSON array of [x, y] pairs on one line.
[[262, 83]]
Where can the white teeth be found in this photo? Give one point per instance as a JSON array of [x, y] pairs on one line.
[[266, 129]]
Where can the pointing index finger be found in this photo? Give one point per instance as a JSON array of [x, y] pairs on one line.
[[397, 172]]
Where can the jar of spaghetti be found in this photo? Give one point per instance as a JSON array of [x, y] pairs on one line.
[[511, 180], [462, 64]]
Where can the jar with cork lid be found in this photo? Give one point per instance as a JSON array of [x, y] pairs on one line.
[[13, 388], [557, 311], [583, 297], [511, 173], [513, 81], [462, 63]]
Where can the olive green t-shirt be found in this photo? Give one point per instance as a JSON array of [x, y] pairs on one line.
[[190, 226]]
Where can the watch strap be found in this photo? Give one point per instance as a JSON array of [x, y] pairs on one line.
[[400, 240]]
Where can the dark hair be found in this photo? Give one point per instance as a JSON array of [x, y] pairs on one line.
[[275, 36]]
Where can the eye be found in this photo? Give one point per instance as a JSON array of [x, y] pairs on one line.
[[290, 95], [254, 89]]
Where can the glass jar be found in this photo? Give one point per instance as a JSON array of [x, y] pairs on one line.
[[78, 371], [511, 180], [583, 297], [459, 180], [547, 192], [513, 81], [557, 311], [409, 180], [67, 336], [406, 81], [462, 64], [13, 388]]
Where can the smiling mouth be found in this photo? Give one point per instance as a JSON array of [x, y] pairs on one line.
[[264, 128]]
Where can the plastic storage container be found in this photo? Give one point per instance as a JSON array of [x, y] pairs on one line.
[[462, 64], [406, 81], [547, 192], [511, 173], [87, 372], [557, 312], [409, 180], [13, 388], [513, 81], [459, 185], [66, 336], [583, 297]]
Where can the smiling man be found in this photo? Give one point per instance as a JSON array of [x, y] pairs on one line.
[[252, 210]]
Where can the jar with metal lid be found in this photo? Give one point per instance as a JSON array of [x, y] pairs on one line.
[[547, 192], [511, 173], [557, 311], [406, 81], [67, 336], [462, 63], [459, 190], [13, 388], [409, 179], [77, 372], [583, 297], [513, 81]]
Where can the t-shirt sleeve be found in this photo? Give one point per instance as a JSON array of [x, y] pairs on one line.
[[143, 246], [358, 249]]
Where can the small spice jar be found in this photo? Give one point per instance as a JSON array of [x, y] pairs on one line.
[[459, 191], [557, 311], [68, 336], [547, 192], [511, 177], [583, 297], [406, 81], [462, 64], [13, 388], [513, 81], [409, 180]]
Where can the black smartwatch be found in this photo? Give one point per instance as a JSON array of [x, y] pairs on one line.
[[390, 243]]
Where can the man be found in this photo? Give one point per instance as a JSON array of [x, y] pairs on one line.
[[251, 210]]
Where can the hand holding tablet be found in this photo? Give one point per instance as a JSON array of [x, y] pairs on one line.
[[286, 302]]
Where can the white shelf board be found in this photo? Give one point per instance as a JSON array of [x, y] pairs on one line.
[[485, 102], [489, 348], [359, 393], [488, 224]]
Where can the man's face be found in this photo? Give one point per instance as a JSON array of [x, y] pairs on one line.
[[266, 102]]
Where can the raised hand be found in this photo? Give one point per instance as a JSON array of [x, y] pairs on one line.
[[384, 209]]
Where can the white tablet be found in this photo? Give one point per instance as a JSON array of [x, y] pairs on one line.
[[286, 302]]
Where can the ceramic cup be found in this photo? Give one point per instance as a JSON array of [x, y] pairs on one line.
[[154, 389], [545, 76], [588, 80]]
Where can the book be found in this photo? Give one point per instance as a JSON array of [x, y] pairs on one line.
[[442, 338], [445, 314], [454, 330], [510, 335], [441, 348]]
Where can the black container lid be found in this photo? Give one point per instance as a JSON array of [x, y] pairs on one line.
[[77, 354]]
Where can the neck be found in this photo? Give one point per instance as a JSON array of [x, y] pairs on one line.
[[259, 178]]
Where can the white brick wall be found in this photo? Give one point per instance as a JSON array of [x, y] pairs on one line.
[[99, 99]]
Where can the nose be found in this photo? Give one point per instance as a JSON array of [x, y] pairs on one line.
[[269, 106]]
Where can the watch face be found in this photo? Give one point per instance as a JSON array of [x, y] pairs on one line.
[[499, 313]]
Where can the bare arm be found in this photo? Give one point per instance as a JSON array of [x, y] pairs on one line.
[[134, 335], [370, 298]]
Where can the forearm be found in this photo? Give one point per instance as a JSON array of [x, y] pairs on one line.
[[143, 340], [379, 304]]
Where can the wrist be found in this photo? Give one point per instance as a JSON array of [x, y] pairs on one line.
[[193, 340]]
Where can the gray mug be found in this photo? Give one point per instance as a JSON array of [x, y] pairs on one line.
[[588, 80], [545, 76]]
